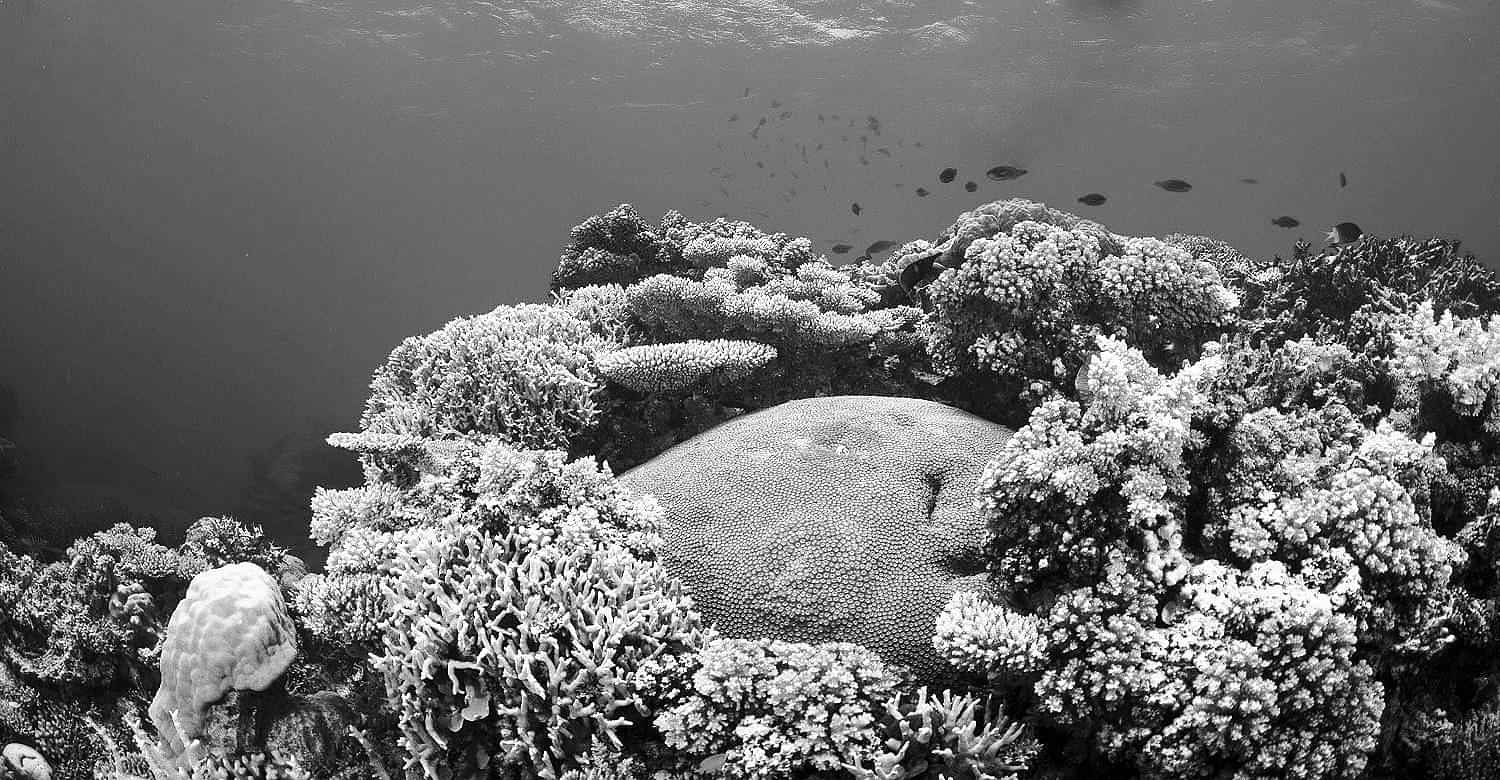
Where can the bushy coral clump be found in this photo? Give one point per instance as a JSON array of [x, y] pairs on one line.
[[525, 373], [1017, 312], [765, 709], [1225, 588], [772, 710]]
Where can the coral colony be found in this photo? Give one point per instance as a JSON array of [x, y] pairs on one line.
[[1030, 499]]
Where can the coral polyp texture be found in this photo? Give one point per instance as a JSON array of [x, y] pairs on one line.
[[1247, 526], [847, 518]]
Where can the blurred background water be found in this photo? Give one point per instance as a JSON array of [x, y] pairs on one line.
[[218, 216]]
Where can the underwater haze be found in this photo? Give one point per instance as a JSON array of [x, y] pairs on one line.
[[217, 217]]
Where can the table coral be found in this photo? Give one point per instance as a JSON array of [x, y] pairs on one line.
[[231, 632], [655, 368], [847, 518]]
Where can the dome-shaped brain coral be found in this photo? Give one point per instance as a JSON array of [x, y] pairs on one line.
[[838, 519]]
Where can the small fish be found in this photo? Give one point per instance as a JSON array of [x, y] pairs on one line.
[[921, 192], [1343, 180], [854, 207], [1092, 199], [820, 117], [1174, 185], [755, 133], [884, 151], [863, 160], [775, 103], [734, 117], [864, 139], [1005, 172], [759, 164], [785, 115], [879, 246], [747, 92], [917, 144], [761, 122], [840, 249], [873, 124], [1286, 222], [947, 175], [1250, 181], [820, 147], [970, 186]]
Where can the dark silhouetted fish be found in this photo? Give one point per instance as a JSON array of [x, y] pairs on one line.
[[874, 124], [879, 246], [820, 117], [1005, 172], [1345, 233], [1174, 185], [921, 192], [1343, 180], [1286, 222], [1092, 199], [820, 147], [1250, 181], [734, 117], [761, 122], [947, 175], [918, 144], [884, 151], [970, 186], [755, 133], [785, 115], [840, 249], [920, 268], [759, 164], [854, 207]]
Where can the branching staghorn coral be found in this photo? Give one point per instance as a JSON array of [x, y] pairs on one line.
[[1336, 294], [515, 622], [948, 736]]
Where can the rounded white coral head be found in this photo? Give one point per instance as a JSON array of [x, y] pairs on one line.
[[232, 632]]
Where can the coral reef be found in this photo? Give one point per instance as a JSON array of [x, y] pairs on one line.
[[1248, 526]]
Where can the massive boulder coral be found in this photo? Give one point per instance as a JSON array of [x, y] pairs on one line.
[[847, 518], [231, 633]]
